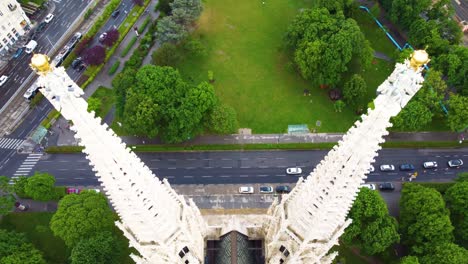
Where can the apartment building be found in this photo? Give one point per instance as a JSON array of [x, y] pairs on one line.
[[13, 24]]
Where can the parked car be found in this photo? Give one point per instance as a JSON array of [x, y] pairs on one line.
[[386, 186], [371, 169], [387, 167], [32, 44], [455, 163], [48, 18], [266, 189], [115, 13], [31, 92], [102, 37], [246, 189], [3, 79], [430, 164], [406, 167], [33, 35], [71, 190], [283, 189], [81, 67], [21, 207], [41, 27], [368, 185], [18, 53], [77, 62], [293, 171]]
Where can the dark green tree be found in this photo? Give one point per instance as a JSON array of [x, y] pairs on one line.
[[432, 92], [99, 249], [81, 217], [409, 260], [446, 253], [440, 9], [121, 83], [164, 6], [426, 33], [344, 6], [10, 241], [168, 30], [7, 200], [41, 187], [25, 254], [355, 90], [413, 117], [404, 12], [19, 186], [186, 11], [166, 55], [456, 198], [458, 112], [372, 229], [424, 220], [222, 119], [454, 65], [321, 51]]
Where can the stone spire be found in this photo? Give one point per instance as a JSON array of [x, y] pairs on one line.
[[158, 222], [307, 223]]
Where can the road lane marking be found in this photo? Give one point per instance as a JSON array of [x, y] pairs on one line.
[[171, 168], [206, 176], [188, 176], [245, 167], [226, 159], [190, 168], [263, 167], [280, 175], [225, 176], [244, 176], [191, 159], [280, 158], [226, 167], [262, 175], [155, 160]]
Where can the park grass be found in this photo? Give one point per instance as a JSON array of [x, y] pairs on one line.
[[252, 70], [106, 96], [36, 227]]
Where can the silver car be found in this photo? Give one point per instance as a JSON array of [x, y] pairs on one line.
[[387, 167], [430, 164], [294, 171], [246, 189]]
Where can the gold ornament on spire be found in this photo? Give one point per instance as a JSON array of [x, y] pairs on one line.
[[40, 64], [418, 58]]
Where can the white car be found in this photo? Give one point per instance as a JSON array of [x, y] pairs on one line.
[[371, 169], [293, 171], [387, 167], [3, 79], [368, 185], [246, 189], [430, 164], [455, 163], [48, 18]]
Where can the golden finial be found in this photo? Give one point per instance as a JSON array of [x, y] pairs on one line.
[[418, 59], [40, 64]]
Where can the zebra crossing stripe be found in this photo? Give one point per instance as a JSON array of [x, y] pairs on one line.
[[10, 143]]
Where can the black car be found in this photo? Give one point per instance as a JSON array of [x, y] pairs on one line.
[[283, 189], [406, 167], [81, 67], [18, 53], [386, 186], [77, 62], [41, 27], [33, 36], [115, 13]]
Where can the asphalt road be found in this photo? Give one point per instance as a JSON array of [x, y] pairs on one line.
[[243, 167], [461, 8], [66, 11]]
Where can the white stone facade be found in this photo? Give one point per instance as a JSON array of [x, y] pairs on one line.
[[13, 23], [158, 222], [307, 223]]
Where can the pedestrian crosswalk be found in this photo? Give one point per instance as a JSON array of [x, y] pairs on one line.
[[57, 1], [10, 143], [26, 167]]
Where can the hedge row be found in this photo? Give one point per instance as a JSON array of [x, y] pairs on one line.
[[129, 46], [439, 186], [52, 116], [114, 67]]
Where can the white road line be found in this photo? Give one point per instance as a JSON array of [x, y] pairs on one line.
[[63, 161], [244, 176], [263, 167], [262, 175], [188, 176], [35, 154], [170, 177], [190, 168], [226, 159], [225, 176], [62, 169], [246, 167], [280, 175], [206, 176], [280, 158], [207, 159], [20, 174], [226, 167], [78, 178]]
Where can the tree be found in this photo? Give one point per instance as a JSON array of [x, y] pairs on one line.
[[372, 229], [426, 33], [41, 187], [95, 55], [339, 105], [403, 54], [25, 254], [424, 220], [413, 117], [111, 37], [458, 112], [121, 83], [404, 12], [446, 253], [454, 66], [440, 9], [94, 104], [7, 200], [164, 6], [99, 249], [222, 119], [138, 2], [82, 45], [456, 198], [354, 91], [10, 241], [186, 11], [432, 92], [166, 55], [20, 185], [409, 260], [168, 30], [81, 216], [337, 6], [321, 52]]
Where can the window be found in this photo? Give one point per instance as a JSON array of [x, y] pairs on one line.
[[13, 30], [5, 41], [1, 46]]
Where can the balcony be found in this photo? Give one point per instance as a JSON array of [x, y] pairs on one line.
[[12, 7]]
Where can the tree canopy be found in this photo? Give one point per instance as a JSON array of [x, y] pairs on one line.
[[111, 37], [446, 253], [324, 44], [413, 117], [15, 249], [456, 198], [7, 200], [163, 104], [186, 12], [454, 65], [99, 249], [409, 260], [41, 187], [372, 229], [222, 119], [355, 90], [95, 55], [170, 31], [404, 12], [81, 216], [458, 112]]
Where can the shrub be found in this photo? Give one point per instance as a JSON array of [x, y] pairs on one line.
[[144, 25], [88, 13], [128, 47], [95, 55], [166, 55], [114, 67]]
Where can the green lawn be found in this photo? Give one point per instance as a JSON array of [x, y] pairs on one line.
[[106, 96], [36, 228], [244, 41]]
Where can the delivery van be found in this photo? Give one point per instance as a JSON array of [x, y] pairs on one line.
[[31, 46]]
